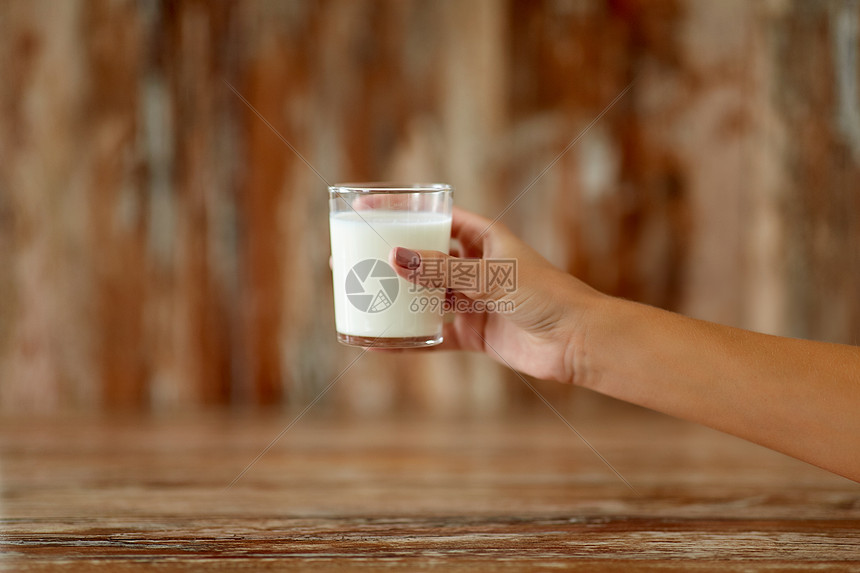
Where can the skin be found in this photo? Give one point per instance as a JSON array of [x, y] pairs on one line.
[[798, 397]]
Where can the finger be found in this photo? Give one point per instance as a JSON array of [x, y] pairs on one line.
[[458, 303], [469, 228], [425, 268], [435, 269], [461, 334]]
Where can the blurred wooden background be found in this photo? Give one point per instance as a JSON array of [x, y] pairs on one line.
[[161, 248]]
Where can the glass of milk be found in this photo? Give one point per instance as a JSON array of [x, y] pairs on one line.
[[372, 304]]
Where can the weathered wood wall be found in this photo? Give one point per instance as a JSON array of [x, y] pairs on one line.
[[161, 248]]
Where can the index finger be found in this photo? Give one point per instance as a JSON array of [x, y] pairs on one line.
[[469, 228]]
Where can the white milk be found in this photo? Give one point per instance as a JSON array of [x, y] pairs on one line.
[[372, 285]]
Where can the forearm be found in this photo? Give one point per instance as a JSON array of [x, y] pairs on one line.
[[795, 396]]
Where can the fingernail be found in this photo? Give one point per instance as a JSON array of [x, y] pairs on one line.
[[407, 258]]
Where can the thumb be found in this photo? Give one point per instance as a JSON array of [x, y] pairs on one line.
[[435, 269]]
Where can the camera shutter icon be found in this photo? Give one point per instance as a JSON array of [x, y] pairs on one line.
[[372, 285]]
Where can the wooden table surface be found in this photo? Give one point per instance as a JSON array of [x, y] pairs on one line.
[[520, 493]]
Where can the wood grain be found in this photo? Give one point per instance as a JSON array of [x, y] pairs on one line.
[[413, 493]]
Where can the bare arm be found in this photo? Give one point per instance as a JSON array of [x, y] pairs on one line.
[[799, 397]]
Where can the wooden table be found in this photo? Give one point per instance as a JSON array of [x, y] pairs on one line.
[[515, 494]]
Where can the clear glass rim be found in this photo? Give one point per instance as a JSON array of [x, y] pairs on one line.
[[386, 187]]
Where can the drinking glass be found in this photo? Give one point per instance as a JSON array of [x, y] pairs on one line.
[[373, 305]]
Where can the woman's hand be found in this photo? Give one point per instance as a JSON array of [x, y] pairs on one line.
[[537, 328]]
